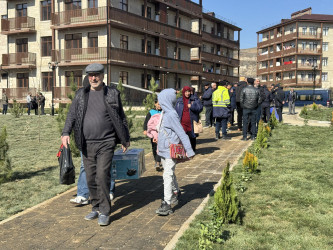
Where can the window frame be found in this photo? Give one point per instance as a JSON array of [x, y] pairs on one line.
[[123, 76], [46, 46], [123, 42], [22, 80], [47, 81], [47, 6]]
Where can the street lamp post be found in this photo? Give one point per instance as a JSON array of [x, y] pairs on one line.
[[53, 66], [314, 80]]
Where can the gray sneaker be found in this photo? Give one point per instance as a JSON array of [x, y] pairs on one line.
[[92, 215], [103, 220], [175, 198], [164, 209]]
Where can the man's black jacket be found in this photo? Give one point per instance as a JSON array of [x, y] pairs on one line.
[[250, 97], [113, 106], [240, 86], [279, 98]]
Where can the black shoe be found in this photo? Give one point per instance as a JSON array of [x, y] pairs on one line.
[[175, 198], [244, 139], [164, 209], [253, 138], [217, 137], [224, 137]]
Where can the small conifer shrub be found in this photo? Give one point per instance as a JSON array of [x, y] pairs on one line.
[[5, 164], [273, 122], [261, 141], [250, 162], [17, 109], [149, 101]]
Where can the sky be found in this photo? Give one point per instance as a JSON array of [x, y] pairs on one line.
[[254, 15]]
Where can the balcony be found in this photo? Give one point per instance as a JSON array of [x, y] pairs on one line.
[[290, 51], [185, 6], [22, 60], [209, 57], [220, 40], [130, 21], [308, 35], [308, 66], [82, 56], [79, 18], [18, 25], [262, 71], [154, 62], [263, 57], [61, 94], [289, 67], [291, 36], [19, 94], [213, 77], [265, 43], [310, 51]]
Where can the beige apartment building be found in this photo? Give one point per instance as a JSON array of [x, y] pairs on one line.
[[45, 43], [298, 52]]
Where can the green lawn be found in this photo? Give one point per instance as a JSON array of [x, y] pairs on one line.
[[323, 114], [34, 142], [289, 205]]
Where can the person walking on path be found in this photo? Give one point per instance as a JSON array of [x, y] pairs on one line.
[[265, 106], [152, 112], [279, 101], [41, 99], [233, 105], [291, 99], [240, 86], [250, 99], [221, 110], [170, 132], [188, 108], [99, 122], [262, 95], [4, 103], [207, 102], [29, 102]]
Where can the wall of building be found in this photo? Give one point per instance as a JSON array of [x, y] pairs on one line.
[[329, 54]]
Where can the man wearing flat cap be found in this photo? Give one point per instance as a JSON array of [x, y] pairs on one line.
[[207, 102], [249, 100], [99, 123]]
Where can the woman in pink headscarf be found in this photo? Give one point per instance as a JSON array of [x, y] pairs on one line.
[[188, 108]]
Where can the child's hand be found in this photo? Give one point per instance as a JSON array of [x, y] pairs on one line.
[[155, 140], [145, 132], [188, 105]]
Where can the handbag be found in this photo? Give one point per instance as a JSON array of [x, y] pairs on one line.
[[197, 127], [67, 169]]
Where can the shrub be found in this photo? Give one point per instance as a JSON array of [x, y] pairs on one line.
[[149, 101], [5, 164], [17, 109], [261, 141], [250, 162], [273, 122], [226, 204], [315, 107], [304, 111]]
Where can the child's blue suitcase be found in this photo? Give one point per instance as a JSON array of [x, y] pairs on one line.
[[128, 165]]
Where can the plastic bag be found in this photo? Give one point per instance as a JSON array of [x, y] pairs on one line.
[[67, 169]]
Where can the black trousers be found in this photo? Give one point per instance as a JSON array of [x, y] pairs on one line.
[[250, 116], [279, 111], [266, 114], [97, 160], [231, 117], [209, 116], [154, 148], [239, 115], [193, 141]]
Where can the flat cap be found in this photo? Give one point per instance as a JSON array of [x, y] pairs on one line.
[[95, 68]]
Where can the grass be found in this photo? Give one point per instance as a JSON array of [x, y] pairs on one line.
[[34, 142], [289, 204], [323, 114]]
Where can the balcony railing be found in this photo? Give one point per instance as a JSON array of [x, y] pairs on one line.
[[61, 93], [219, 40], [19, 94], [19, 60], [80, 16], [213, 77], [125, 19], [290, 36], [310, 51], [308, 66], [309, 35], [86, 55], [219, 59], [184, 5], [18, 25]]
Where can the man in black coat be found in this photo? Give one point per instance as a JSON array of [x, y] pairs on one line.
[[249, 100], [99, 122], [265, 106], [240, 86], [279, 101], [207, 103]]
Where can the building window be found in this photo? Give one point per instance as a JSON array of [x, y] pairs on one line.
[[303, 45], [92, 39], [92, 3], [47, 81], [123, 77], [325, 46], [22, 45], [212, 50], [21, 10], [73, 41], [46, 45], [45, 11], [204, 27], [310, 76], [304, 29], [22, 80], [291, 29], [313, 30], [124, 5], [303, 76], [5, 17], [75, 75], [149, 47], [179, 53], [149, 12], [290, 75], [73, 5], [325, 60], [204, 47], [325, 31], [123, 42], [303, 61], [324, 76]]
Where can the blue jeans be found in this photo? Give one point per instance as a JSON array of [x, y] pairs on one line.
[[221, 122], [82, 186]]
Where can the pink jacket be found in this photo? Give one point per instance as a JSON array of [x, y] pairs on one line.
[[151, 126]]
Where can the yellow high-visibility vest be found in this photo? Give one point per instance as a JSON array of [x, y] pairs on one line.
[[221, 97]]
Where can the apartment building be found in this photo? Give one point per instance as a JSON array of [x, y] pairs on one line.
[[298, 52], [46, 43]]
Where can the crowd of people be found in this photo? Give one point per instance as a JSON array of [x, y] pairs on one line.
[[97, 118], [33, 102]]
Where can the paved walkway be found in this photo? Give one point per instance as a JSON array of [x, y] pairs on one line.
[[297, 120], [57, 224]]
